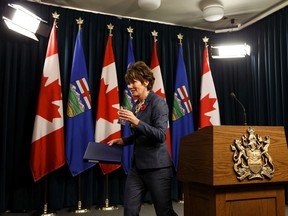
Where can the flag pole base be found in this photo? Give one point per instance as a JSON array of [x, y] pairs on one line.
[[80, 210], [48, 214], [45, 213], [181, 201], [108, 207]]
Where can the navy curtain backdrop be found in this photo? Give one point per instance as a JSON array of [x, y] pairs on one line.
[[260, 81]]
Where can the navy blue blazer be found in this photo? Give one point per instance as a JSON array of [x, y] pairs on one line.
[[149, 136]]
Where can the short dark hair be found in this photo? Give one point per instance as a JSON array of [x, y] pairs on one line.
[[141, 72]]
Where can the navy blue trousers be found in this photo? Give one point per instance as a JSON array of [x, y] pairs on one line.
[[157, 182]]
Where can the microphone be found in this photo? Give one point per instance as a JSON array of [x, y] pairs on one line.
[[244, 111]]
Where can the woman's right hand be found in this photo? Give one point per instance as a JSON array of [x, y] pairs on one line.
[[118, 141], [128, 115]]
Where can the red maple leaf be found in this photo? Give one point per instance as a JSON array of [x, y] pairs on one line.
[[158, 92], [49, 94], [106, 102], [206, 106]]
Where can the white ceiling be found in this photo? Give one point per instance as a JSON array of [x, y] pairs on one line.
[[187, 13]]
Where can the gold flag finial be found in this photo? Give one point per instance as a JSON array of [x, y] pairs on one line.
[[110, 27], [180, 37], [155, 35], [130, 30], [55, 16], [79, 22], [205, 40]]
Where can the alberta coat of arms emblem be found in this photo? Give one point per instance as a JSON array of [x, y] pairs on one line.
[[251, 156]]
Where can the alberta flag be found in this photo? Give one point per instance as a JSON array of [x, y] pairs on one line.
[[79, 121], [47, 150], [107, 126], [209, 109], [182, 115], [128, 103]]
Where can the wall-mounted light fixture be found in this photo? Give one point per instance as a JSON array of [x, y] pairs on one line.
[[230, 51], [21, 20]]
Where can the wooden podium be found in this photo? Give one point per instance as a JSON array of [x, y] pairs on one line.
[[210, 183]]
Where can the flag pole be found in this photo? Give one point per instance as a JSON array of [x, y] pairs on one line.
[[107, 207], [180, 37], [79, 203], [45, 208], [79, 208], [181, 201], [55, 15]]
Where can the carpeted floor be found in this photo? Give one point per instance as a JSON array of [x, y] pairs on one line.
[[146, 210]]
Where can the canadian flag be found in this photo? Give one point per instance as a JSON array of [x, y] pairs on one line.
[[107, 127], [158, 87], [47, 150], [209, 109]]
